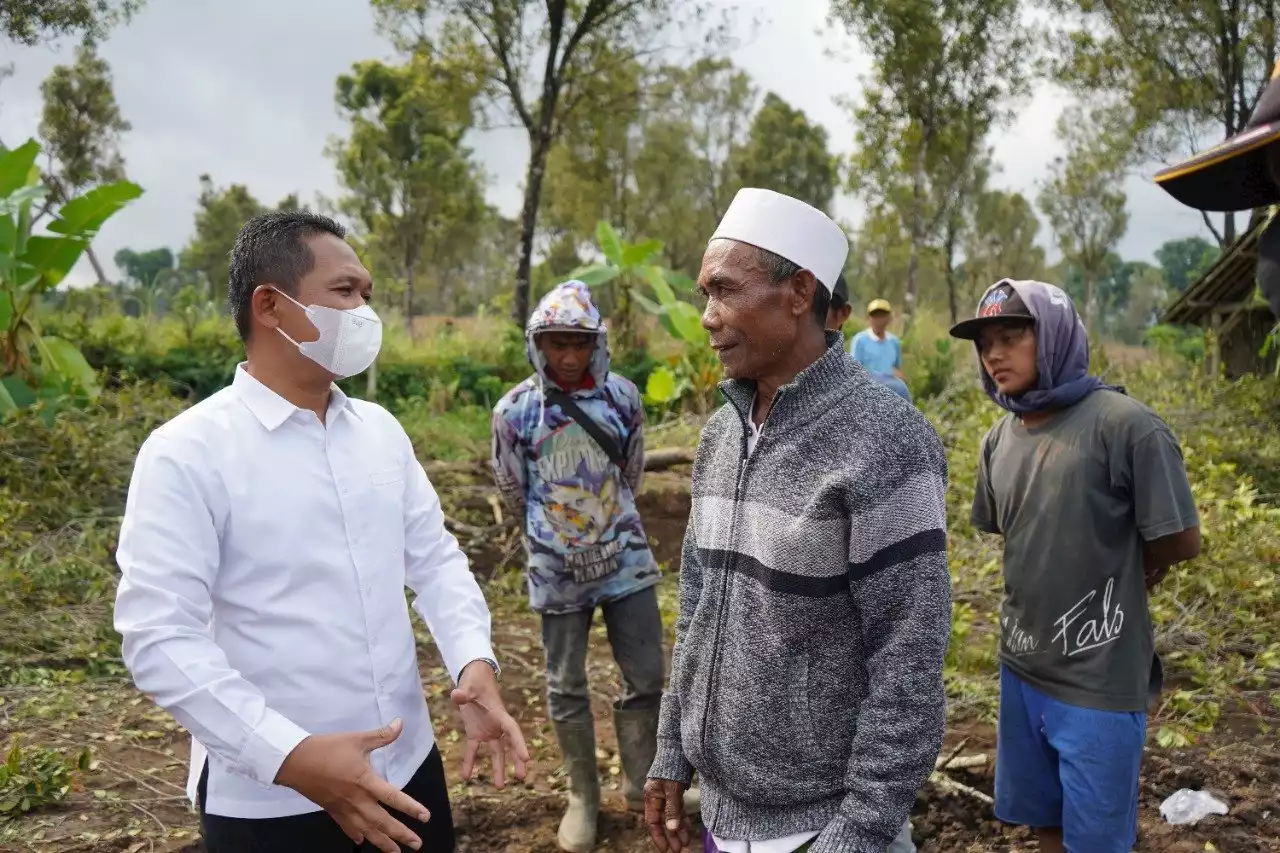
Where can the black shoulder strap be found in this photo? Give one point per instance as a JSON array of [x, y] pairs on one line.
[[573, 410]]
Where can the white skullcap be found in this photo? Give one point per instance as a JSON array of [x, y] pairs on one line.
[[787, 227]]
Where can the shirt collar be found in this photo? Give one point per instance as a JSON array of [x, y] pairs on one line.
[[270, 408]]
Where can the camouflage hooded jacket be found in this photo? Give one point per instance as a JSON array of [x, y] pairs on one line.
[[584, 542]]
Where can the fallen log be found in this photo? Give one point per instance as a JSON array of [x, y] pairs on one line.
[[946, 783], [667, 457], [962, 762]]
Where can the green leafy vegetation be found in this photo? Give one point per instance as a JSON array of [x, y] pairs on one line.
[[635, 151], [31, 777], [35, 366]]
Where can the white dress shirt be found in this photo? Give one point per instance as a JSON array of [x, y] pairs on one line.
[[264, 557], [788, 844]]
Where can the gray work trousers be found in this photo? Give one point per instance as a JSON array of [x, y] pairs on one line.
[[635, 635]]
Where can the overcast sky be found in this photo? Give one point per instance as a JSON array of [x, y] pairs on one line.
[[243, 90]]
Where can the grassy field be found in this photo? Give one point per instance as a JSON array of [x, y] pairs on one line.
[[93, 766]]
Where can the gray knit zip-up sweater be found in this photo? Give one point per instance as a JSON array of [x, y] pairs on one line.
[[815, 609]]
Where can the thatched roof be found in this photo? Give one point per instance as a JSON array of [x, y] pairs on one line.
[[1227, 285]]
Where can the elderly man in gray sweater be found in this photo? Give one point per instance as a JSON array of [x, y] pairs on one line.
[[806, 683]]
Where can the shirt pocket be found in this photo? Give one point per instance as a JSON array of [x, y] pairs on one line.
[[387, 476], [383, 508]]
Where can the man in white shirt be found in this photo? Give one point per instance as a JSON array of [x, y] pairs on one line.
[[268, 537]]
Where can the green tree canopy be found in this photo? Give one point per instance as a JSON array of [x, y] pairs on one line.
[[538, 62], [1185, 260], [944, 74], [146, 269], [412, 187], [81, 128], [786, 152], [220, 215], [1000, 244], [31, 22], [1192, 70], [1083, 199]]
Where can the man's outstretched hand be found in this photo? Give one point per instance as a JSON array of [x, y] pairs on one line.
[[486, 721], [333, 771], [664, 813]]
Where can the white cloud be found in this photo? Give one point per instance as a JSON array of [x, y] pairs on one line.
[[243, 91]]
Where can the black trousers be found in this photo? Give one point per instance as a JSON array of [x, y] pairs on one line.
[[317, 832]]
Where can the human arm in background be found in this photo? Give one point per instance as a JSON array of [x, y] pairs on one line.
[[452, 604], [897, 359], [671, 773], [1160, 555], [507, 460], [635, 441], [1163, 505], [169, 557], [983, 514], [903, 595]]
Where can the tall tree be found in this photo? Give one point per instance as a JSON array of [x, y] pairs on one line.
[[1000, 243], [944, 75], [1185, 260], [661, 164], [538, 60], [785, 152], [81, 128], [1083, 200], [30, 22], [590, 169], [715, 100], [1148, 291], [220, 214], [1192, 69], [879, 255], [413, 188], [145, 269]]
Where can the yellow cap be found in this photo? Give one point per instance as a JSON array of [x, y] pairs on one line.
[[879, 305]]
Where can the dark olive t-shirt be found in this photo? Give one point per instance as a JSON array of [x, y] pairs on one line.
[[1075, 499]]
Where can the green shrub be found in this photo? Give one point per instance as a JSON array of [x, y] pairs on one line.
[[459, 434], [33, 777], [63, 484]]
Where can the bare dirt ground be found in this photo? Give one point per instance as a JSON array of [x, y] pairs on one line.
[[132, 799]]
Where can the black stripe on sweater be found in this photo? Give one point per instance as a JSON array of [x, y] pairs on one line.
[[916, 545], [772, 579]]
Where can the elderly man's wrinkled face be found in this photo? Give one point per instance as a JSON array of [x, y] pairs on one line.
[[753, 320]]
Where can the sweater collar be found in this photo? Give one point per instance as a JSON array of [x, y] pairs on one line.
[[804, 397]]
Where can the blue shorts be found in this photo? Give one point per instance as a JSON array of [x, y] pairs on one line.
[[1060, 765], [894, 384]]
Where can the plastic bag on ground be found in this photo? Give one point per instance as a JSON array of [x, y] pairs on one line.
[[1187, 806]]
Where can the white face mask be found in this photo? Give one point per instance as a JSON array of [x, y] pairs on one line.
[[349, 340]]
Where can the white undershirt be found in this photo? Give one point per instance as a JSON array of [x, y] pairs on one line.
[[753, 436], [788, 843]]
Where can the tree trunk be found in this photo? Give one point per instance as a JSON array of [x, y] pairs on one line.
[[529, 222], [97, 266], [408, 302], [950, 247], [917, 221], [1228, 230], [1088, 302]]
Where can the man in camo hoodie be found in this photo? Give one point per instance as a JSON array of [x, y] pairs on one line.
[[575, 494]]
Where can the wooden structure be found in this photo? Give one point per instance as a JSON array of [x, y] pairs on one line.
[[1225, 301]]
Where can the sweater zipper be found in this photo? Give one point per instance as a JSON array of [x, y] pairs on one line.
[[731, 555]]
